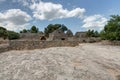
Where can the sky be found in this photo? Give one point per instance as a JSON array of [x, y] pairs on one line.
[[77, 15]]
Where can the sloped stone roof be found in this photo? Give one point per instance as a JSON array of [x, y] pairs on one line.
[[69, 33]]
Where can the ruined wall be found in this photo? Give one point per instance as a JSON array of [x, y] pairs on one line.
[[21, 45], [29, 36], [87, 40], [107, 42], [4, 48], [4, 41]]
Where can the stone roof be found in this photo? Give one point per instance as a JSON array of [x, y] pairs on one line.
[[31, 35], [69, 33], [58, 33], [81, 34]]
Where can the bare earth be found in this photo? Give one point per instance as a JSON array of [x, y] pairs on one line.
[[84, 62]]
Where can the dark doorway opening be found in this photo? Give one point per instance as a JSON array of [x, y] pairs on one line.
[[62, 39], [43, 38]]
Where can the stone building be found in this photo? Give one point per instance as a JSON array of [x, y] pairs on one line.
[[57, 35], [81, 37], [81, 34], [69, 33], [32, 36]]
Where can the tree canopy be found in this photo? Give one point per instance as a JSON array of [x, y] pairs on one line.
[[33, 29], [92, 33], [3, 33], [13, 35], [111, 30], [52, 27]]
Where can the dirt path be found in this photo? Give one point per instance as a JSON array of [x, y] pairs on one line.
[[84, 62]]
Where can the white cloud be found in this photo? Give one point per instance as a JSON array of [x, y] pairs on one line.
[[50, 11], [26, 2], [14, 19], [94, 22], [2, 0]]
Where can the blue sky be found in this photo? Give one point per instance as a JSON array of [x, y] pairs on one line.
[[77, 15]]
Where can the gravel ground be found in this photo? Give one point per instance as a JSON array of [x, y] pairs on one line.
[[83, 62]]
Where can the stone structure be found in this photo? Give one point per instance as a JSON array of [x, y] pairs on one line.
[[4, 41], [57, 35], [56, 39], [81, 37], [4, 48], [22, 44], [32, 36], [81, 34], [69, 33], [107, 42]]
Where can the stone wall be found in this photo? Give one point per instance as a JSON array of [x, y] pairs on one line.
[[87, 40], [4, 48], [4, 41], [29, 45], [107, 42], [29, 36]]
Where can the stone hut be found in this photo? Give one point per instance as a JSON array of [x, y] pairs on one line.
[[69, 33], [81, 34], [57, 35], [32, 36]]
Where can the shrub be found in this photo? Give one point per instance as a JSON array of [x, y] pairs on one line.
[[13, 35], [3, 33]]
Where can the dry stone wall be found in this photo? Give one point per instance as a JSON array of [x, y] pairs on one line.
[[4, 42], [107, 42], [4, 48], [29, 45]]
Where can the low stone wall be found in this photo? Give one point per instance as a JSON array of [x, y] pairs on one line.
[[4, 41], [4, 48], [106, 42], [29, 45], [87, 40]]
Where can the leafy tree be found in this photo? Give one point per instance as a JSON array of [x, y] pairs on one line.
[[102, 35], [34, 29], [3, 33], [96, 34], [112, 29], [92, 33], [52, 27], [24, 31], [13, 35], [63, 28]]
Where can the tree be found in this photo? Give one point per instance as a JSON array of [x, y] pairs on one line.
[[13, 35], [112, 28], [92, 33], [24, 31], [96, 34], [52, 27], [63, 28], [34, 29], [3, 32]]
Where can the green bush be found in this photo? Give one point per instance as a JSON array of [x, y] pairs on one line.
[[13, 35], [92, 33], [111, 30], [34, 29], [3, 33]]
